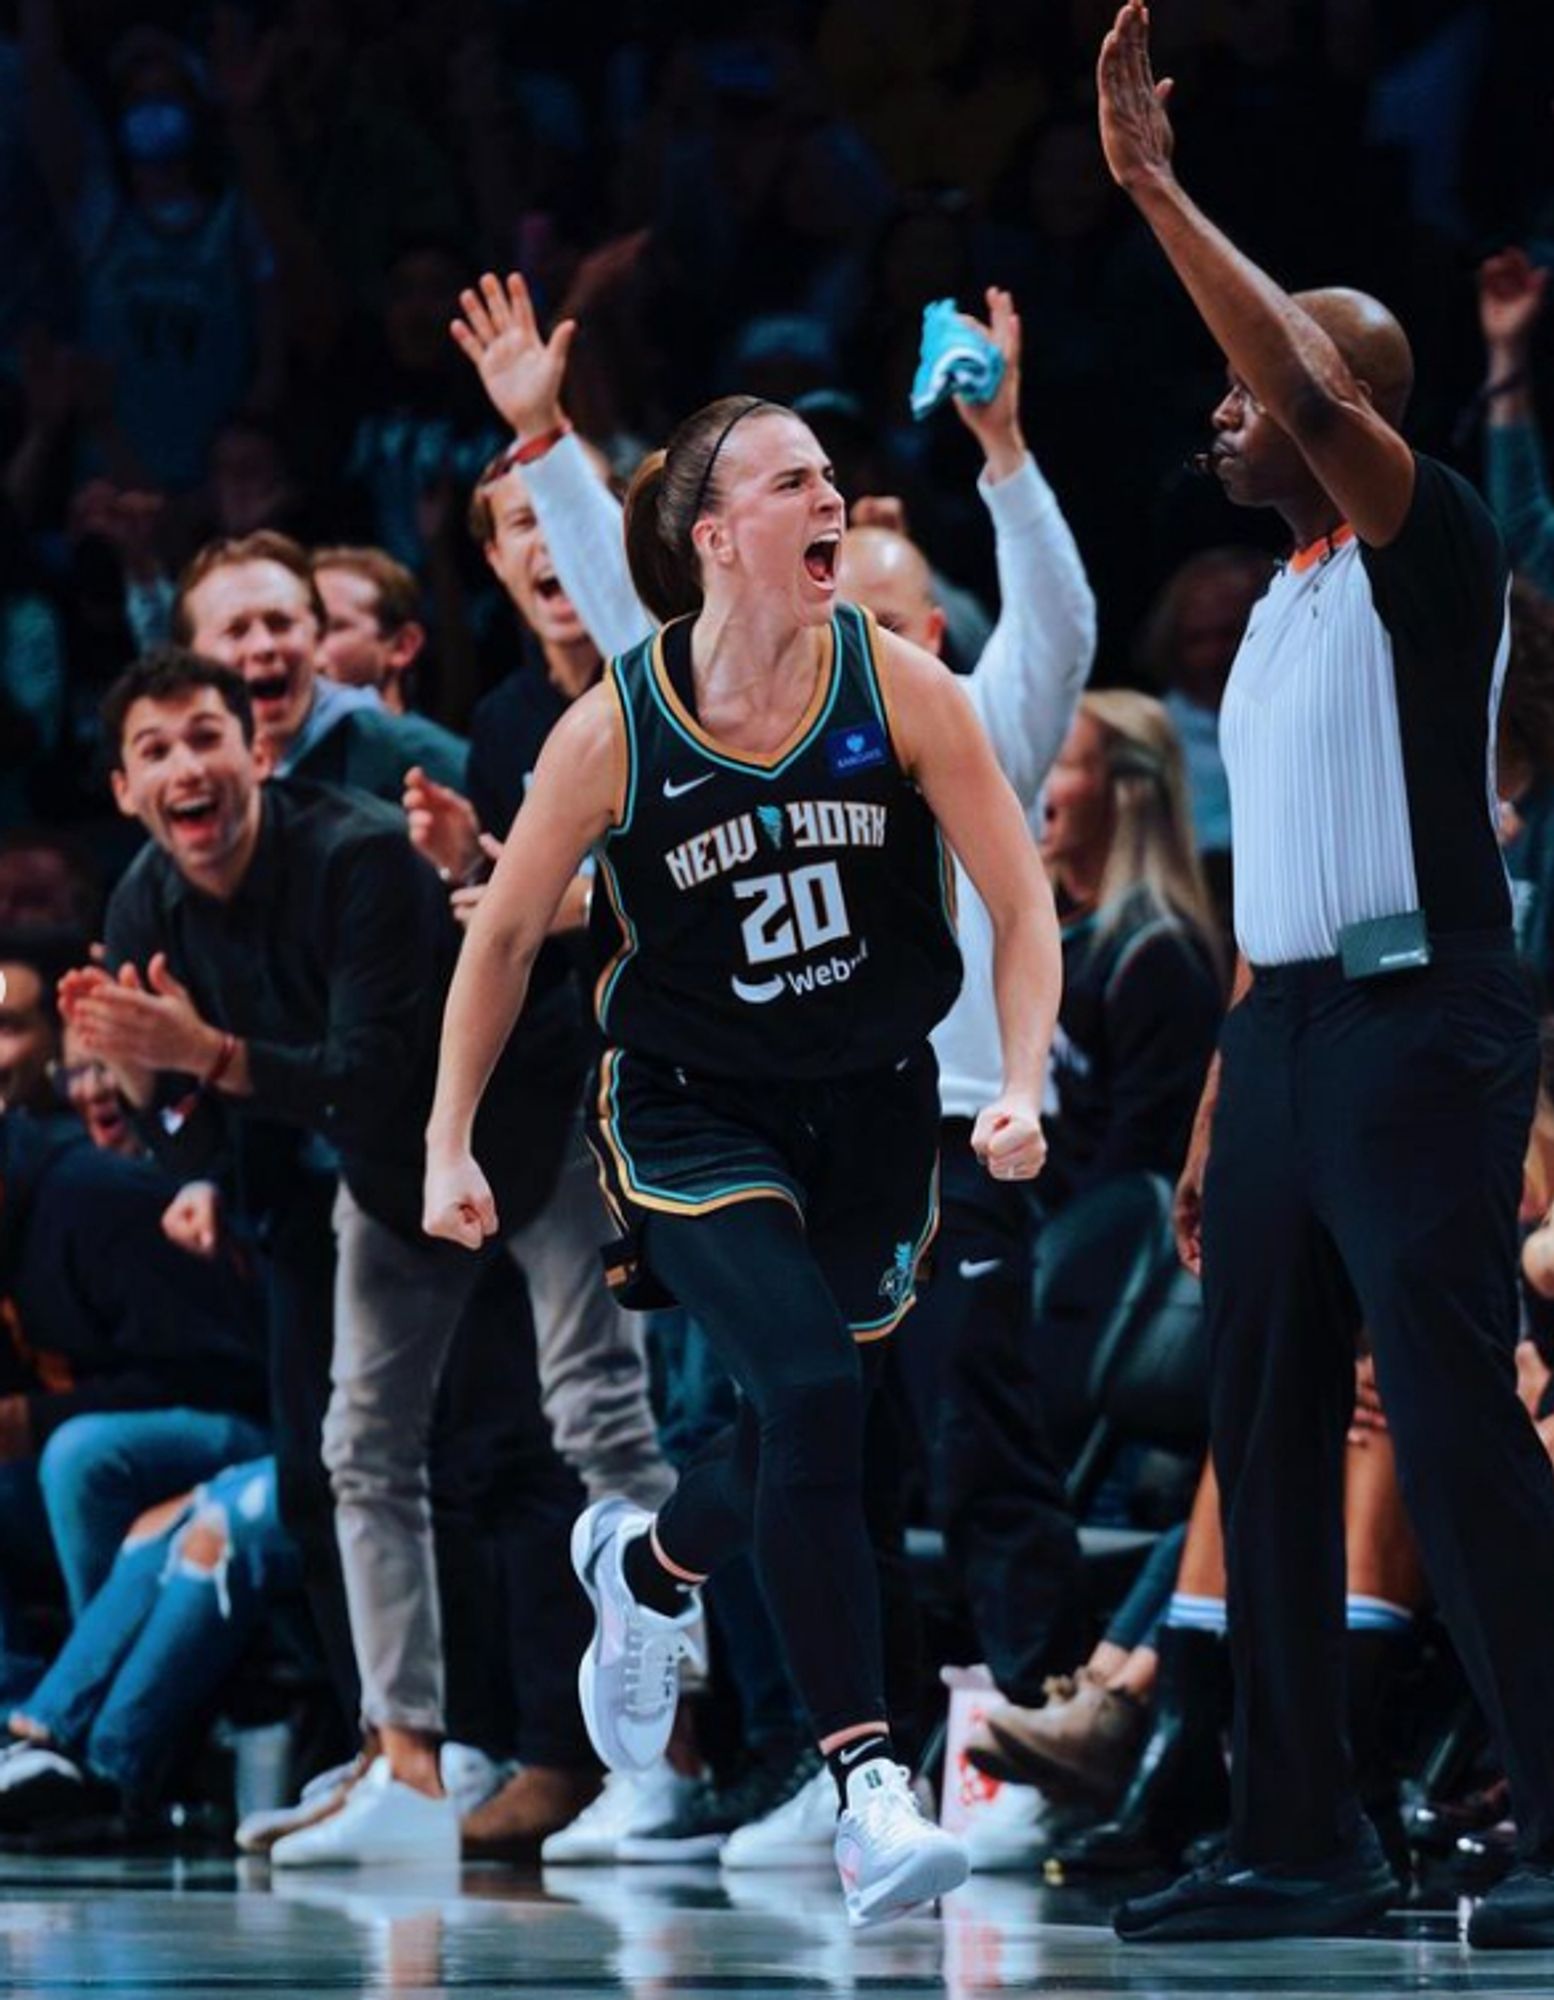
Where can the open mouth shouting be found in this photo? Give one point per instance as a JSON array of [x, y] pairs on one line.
[[269, 688], [196, 815], [106, 1124], [820, 559], [550, 596]]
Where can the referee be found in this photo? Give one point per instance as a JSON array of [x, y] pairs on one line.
[[1371, 1100]]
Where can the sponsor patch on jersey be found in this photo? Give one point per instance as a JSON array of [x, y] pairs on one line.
[[858, 747]]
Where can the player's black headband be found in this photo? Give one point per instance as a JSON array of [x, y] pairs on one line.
[[754, 403]]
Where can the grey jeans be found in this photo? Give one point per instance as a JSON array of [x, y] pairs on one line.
[[397, 1303]]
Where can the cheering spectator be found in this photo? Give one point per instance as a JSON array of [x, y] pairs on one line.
[[253, 605], [373, 634], [316, 945]]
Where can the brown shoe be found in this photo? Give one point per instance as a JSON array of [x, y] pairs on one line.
[[538, 1801], [983, 1748], [1082, 1748]]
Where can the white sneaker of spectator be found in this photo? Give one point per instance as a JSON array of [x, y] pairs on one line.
[[1010, 1831], [381, 1821], [629, 1680], [469, 1776], [890, 1858], [25, 1763], [798, 1834], [258, 1832], [631, 1802]]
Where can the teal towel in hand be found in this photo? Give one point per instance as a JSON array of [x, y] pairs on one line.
[[957, 359]]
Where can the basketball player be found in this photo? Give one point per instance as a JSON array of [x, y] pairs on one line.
[[768, 786]]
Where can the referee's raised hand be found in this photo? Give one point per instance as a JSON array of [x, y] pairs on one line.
[[1136, 136]]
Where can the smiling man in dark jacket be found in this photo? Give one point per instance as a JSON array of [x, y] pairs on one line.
[[316, 946]]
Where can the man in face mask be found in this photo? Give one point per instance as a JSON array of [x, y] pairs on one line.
[[157, 131], [175, 278]]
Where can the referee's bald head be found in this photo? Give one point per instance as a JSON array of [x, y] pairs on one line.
[[1373, 344]]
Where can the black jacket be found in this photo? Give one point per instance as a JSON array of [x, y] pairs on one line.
[[91, 1279]]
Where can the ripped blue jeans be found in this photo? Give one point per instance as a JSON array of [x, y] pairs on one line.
[[147, 1658]]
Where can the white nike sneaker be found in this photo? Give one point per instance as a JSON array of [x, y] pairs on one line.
[[381, 1821], [629, 1680], [631, 1802], [1010, 1831], [795, 1835], [890, 1858]]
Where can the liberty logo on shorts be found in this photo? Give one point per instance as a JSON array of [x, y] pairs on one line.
[[896, 1285], [859, 747]]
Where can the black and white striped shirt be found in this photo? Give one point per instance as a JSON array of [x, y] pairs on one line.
[[1358, 733]]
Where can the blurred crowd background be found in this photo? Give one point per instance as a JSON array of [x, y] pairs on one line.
[[231, 240]]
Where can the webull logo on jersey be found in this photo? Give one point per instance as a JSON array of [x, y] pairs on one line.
[[803, 979], [801, 824]]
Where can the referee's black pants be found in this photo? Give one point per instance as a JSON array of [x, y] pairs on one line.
[[1365, 1169]]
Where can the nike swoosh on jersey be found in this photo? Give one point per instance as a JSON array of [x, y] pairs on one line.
[[979, 1267], [674, 791]]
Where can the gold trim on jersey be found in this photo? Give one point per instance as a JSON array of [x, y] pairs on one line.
[[751, 759], [620, 818], [667, 1204], [874, 660], [626, 950], [870, 1330]]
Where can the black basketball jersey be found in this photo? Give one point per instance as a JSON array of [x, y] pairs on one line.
[[787, 915]]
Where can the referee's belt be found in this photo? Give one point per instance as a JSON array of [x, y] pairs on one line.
[[1313, 975]]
